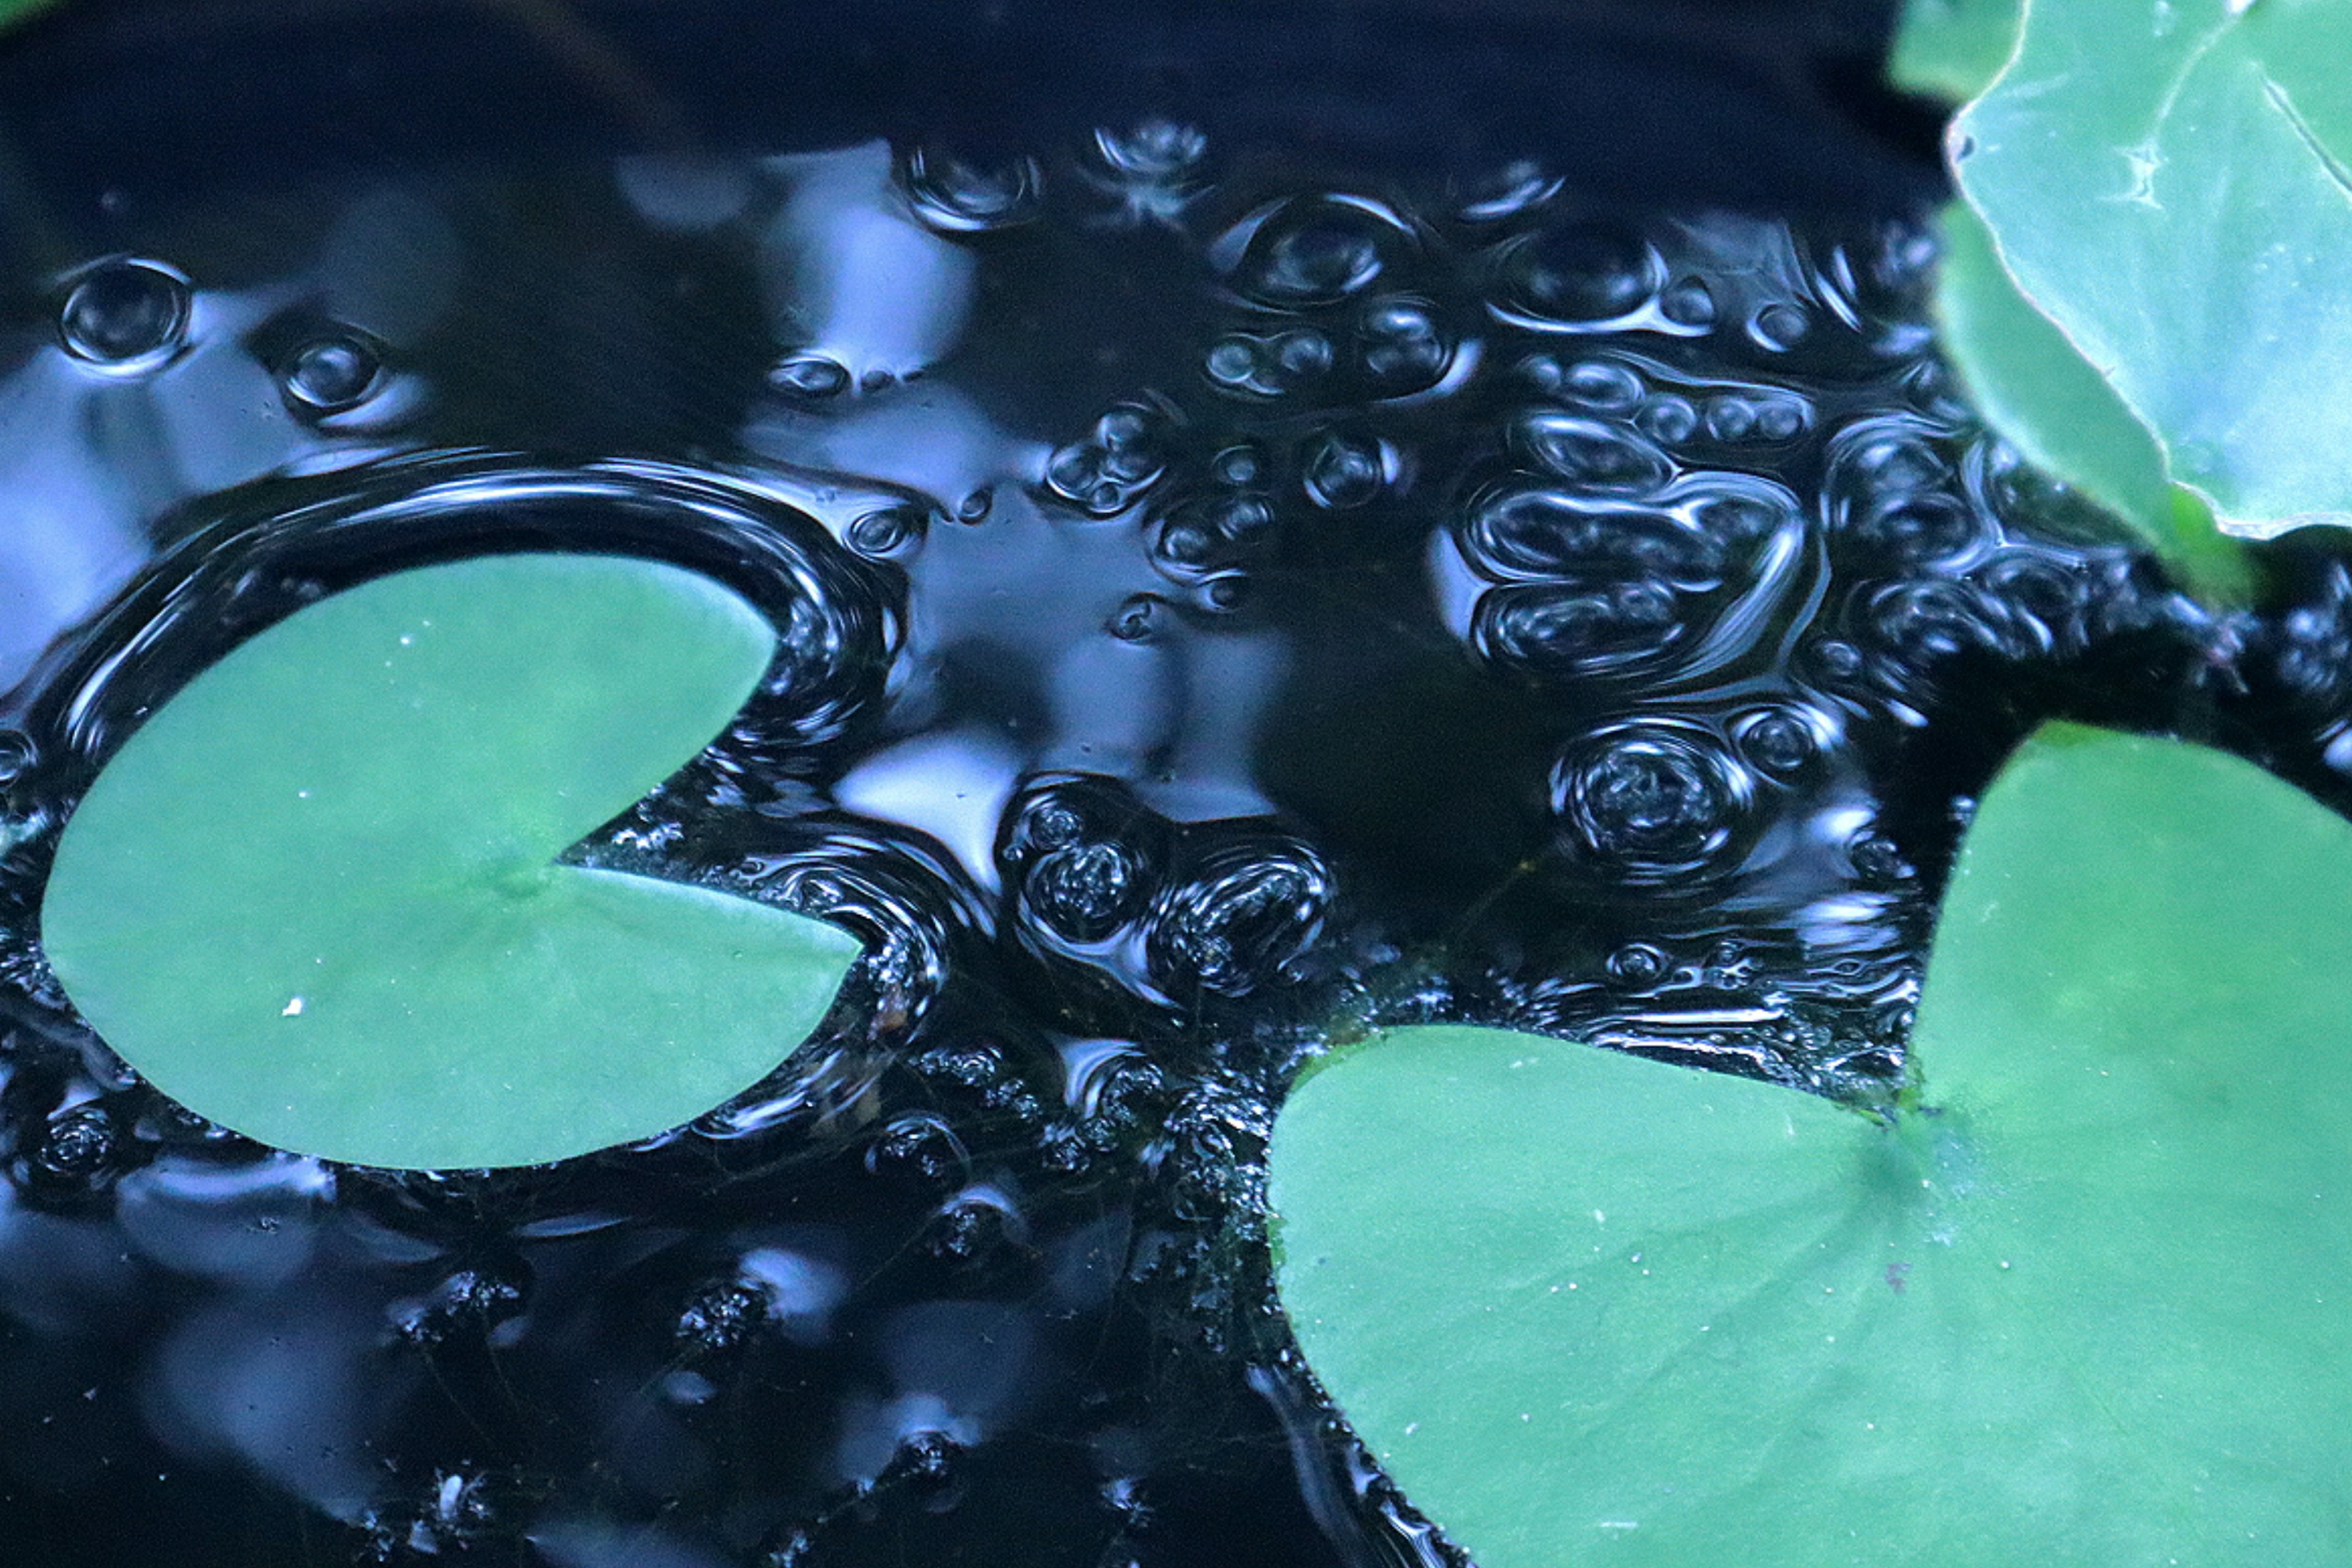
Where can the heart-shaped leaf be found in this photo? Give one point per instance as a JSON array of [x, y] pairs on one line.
[[312, 897], [2169, 181], [2080, 1298]]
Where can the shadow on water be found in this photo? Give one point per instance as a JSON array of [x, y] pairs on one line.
[[1281, 519]]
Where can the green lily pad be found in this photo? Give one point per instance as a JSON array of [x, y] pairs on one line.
[[2167, 181], [2080, 1297], [1953, 48], [313, 897]]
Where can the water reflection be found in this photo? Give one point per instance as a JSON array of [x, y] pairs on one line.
[[1216, 607]]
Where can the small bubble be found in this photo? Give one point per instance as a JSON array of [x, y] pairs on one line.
[[78, 1144], [1780, 327], [1511, 190], [1401, 346], [1581, 275], [1593, 455], [1637, 965], [1730, 418], [1242, 519], [1688, 303], [1084, 892], [1657, 802], [18, 754], [1780, 418], [949, 194], [1343, 472], [1604, 384], [974, 507], [1136, 619], [1238, 465], [810, 375], [1157, 152], [880, 533], [1668, 418], [1876, 860], [1301, 356], [1241, 919], [1780, 745], [1224, 592], [1318, 251], [127, 315], [1183, 542], [333, 375]]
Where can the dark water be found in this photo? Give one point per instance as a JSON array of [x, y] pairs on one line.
[[1243, 578]]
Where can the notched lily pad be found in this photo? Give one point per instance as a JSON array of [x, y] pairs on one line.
[[2080, 1299], [315, 898]]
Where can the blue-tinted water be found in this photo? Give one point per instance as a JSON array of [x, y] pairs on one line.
[[1271, 536]]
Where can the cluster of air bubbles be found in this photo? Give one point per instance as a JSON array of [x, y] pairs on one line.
[[1654, 803], [127, 315], [956, 196], [1153, 170], [1891, 496], [1243, 919], [1120, 458]]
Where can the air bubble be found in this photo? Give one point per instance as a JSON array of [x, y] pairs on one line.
[[1636, 965], [1780, 327], [956, 197], [1580, 276], [1402, 347], [332, 375], [1247, 912], [1318, 251], [1669, 418], [1656, 803], [1730, 418], [127, 315], [883, 532], [810, 375], [1158, 151], [1343, 472], [1688, 303], [1084, 892], [1603, 385], [1780, 745], [1593, 455]]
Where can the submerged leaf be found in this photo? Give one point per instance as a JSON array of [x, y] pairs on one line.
[[313, 897], [2170, 183], [1953, 48], [15, 11], [2078, 1299]]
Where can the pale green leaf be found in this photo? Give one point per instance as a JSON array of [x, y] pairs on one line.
[[313, 897], [1953, 48]]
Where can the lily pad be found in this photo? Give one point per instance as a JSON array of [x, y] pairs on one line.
[[315, 897], [2169, 181], [2078, 1295]]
